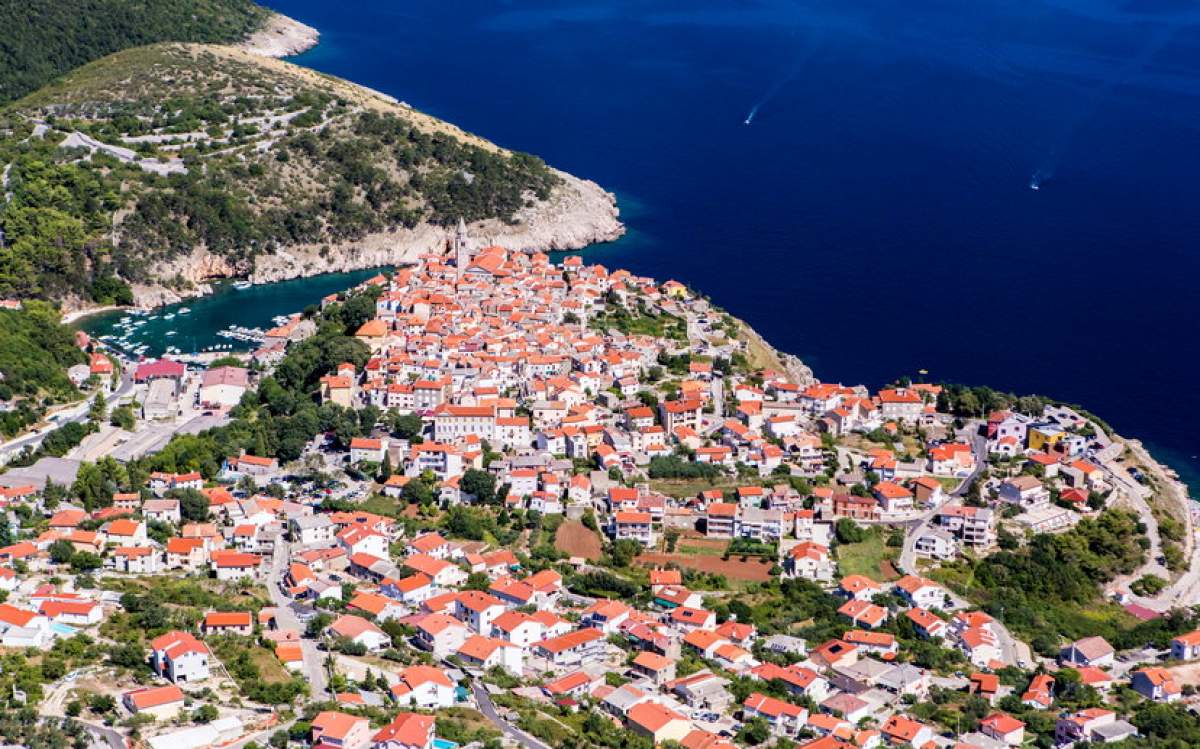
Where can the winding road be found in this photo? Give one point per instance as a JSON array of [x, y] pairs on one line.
[[488, 708]]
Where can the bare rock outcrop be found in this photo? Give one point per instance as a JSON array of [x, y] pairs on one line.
[[281, 37]]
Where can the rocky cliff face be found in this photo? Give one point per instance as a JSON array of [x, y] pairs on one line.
[[578, 213]]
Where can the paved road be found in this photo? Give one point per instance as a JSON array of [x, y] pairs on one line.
[[77, 413], [914, 528], [286, 618], [1185, 590], [484, 700]]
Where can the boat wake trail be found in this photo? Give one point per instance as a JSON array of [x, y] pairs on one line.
[[780, 83], [1095, 98]]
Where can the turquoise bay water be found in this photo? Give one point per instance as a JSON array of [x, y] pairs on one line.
[[253, 307]]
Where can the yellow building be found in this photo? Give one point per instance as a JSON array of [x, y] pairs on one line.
[[1045, 437]]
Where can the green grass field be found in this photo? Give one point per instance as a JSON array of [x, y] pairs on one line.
[[864, 558]]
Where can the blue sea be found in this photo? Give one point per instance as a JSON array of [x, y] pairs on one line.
[[876, 216]]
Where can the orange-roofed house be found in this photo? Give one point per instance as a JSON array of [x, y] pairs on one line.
[[893, 498], [373, 333], [659, 669], [661, 577], [186, 553], [429, 543], [424, 687], [1040, 694], [1003, 727], [67, 519], [291, 655], [361, 631], [478, 610], [228, 623], [76, 612], [900, 730], [829, 727], [657, 722], [579, 647], [1156, 684], [162, 703], [681, 413], [484, 653], [412, 590], [859, 587], [986, 686], [784, 718], [834, 653], [136, 560], [441, 634], [606, 615], [864, 613], [406, 731], [574, 684], [900, 404], [637, 526], [179, 657], [720, 519], [367, 449], [879, 643], [125, 532], [235, 565], [919, 591], [927, 624], [249, 465], [1186, 647], [380, 607], [337, 390], [341, 730]]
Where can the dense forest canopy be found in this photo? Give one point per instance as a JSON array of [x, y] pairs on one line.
[[42, 39], [35, 350]]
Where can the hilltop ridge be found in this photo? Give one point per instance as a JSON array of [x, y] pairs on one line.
[[184, 163], [43, 39]]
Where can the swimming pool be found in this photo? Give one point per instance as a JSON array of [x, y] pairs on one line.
[[444, 744], [59, 628]]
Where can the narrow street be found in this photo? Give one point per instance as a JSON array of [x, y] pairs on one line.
[[286, 618]]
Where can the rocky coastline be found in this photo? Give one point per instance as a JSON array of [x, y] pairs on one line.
[[578, 213], [281, 36]]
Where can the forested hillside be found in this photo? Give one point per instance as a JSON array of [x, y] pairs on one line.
[[35, 351], [42, 39], [122, 169]]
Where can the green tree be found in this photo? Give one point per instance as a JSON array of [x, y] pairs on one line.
[[849, 532], [193, 505], [122, 416], [86, 561], [98, 411], [480, 484], [61, 551]]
